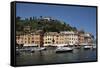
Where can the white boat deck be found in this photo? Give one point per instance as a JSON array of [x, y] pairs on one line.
[[63, 49], [87, 47]]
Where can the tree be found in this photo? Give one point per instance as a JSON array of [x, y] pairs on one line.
[[45, 25], [41, 17], [30, 18], [18, 18]]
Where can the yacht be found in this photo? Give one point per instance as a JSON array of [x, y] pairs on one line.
[[87, 47], [63, 49], [40, 48], [94, 47]]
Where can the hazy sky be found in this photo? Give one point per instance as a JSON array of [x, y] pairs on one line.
[[80, 17]]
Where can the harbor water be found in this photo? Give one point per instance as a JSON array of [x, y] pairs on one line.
[[49, 56]]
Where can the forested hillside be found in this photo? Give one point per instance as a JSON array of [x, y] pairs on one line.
[[39, 23]]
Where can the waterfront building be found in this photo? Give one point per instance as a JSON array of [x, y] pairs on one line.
[[61, 39], [49, 38], [64, 38], [19, 39], [72, 37], [26, 39], [85, 38], [32, 39], [81, 39], [88, 39], [55, 39]]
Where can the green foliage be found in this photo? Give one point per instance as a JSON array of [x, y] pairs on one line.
[[42, 24]]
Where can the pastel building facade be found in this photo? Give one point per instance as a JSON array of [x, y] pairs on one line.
[[63, 38], [48, 39], [71, 37], [55, 39], [88, 39], [29, 39]]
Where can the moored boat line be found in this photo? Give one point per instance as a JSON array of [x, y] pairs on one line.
[[59, 49], [31, 50]]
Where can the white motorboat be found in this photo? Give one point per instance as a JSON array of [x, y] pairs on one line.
[[32, 50], [94, 47], [63, 49], [87, 47], [39, 48]]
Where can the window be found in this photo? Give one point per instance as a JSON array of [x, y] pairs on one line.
[[25, 38], [49, 42], [32, 38], [45, 42], [28, 38], [57, 36], [32, 41]]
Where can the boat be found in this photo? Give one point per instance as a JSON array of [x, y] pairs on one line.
[[94, 47], [25, 50], [40, 48], [63, 49], [87, 47], [17, 53], [77, 47], [32, 51]]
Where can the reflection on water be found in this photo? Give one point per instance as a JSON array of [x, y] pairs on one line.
[[49, 56]]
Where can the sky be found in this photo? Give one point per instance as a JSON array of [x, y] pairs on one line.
[[79, 17]]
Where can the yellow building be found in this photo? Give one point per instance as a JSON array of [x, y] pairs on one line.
[[60, 39], [49, 38], [55, 39], [72, 37]]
